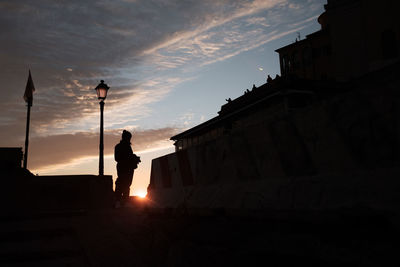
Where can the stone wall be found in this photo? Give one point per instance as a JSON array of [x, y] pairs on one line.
[[340, 150], [23, 193]]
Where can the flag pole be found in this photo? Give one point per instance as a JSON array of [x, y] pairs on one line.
[[28, 118], [28, 97]]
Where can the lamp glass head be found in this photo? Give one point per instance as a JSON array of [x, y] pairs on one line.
[[102, 90]]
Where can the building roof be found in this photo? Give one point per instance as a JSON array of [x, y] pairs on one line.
[[308, 38], [258, 97]]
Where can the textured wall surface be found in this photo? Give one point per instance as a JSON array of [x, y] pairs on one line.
[[340, 150]]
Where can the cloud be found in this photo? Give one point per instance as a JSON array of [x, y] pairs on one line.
[[233, 31], [65, 148], [217, 14], [258, 21], [143, 49]]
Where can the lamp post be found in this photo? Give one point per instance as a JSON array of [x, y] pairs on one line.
[[101, 91]]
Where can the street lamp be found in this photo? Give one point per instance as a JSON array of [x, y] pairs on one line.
[[101, 91]]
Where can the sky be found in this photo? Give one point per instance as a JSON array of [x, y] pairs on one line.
[[170, 65]]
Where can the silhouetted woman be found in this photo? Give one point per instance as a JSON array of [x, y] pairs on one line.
[[127, 162]]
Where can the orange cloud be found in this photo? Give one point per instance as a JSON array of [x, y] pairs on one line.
[[65, 148]]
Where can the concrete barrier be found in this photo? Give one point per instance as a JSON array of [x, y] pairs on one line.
[[73, 191], [24, 192]]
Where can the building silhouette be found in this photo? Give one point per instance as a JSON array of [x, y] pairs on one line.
[[10, 158], [306, 138], [356, 38]]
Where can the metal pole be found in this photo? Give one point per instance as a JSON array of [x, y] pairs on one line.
[[101, 156], [28, 118]]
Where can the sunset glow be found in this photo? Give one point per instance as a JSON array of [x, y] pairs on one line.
[[142, 194]]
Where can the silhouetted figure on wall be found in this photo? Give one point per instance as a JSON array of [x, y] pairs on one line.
[[127, 162]]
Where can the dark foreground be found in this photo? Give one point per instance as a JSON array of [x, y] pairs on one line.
[[135, 237]]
